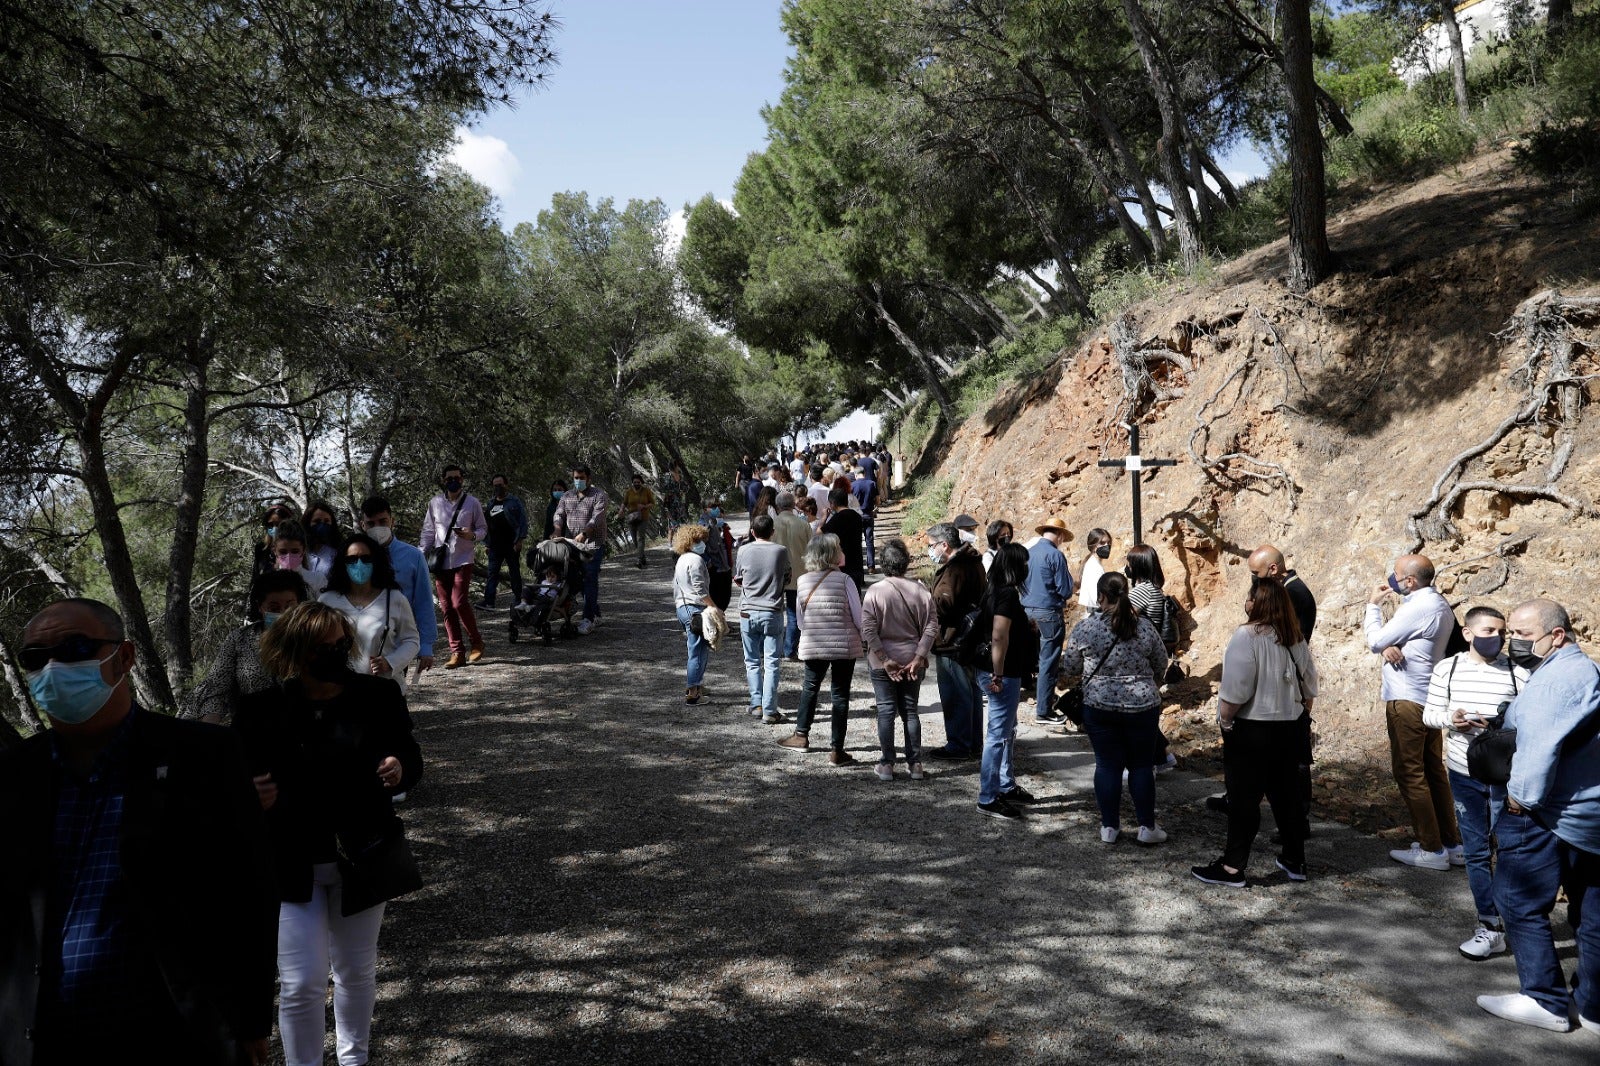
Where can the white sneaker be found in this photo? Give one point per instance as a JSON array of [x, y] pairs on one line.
[[1458, 855], [884, 771], [1151, 834], [1484, 943], [585, 626], [1593, 1027], [594, 623], [1525, 1009], [1168, 766], [1108, 835], [916, 772], [1422, 860]]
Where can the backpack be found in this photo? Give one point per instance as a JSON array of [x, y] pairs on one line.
[[1170, 634], [1458, 641]]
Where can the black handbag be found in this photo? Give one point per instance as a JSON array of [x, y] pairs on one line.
[[1070, 702], [379, 872], [440, 564], [1489, 753]]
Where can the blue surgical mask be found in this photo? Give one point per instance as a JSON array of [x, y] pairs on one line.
[[1396, 585], [699, 547], [71, 693], [716, 512], [269, 617], [272, 532], [556, 494], [579, 483], [360, 571]]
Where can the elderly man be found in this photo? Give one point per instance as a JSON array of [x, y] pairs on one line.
[[1549, 834], [1044, 597], [581, 515], [958, 587], [1410, 643], [137, 914], [794, 533]]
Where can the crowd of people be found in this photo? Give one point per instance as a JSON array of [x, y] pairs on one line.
[[161, 872]]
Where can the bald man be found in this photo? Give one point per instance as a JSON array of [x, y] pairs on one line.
[[1549, 833], [1409, 645], [137, 911], [1268, 561]]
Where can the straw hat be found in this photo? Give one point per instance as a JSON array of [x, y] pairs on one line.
[[1052, 525]]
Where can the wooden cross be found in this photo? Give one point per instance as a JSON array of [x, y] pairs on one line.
[[1133, 464]]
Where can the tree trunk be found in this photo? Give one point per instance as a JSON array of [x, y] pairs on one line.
[[1309, 257], [1132, 172], [19, 696], [193, 464], [929, 370], [1258, 36], [1558, 17], [1170, 146], [1069, 277], [380, 448], [1458, 57]]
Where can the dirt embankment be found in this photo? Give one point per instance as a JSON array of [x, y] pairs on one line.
[[1331, 425]]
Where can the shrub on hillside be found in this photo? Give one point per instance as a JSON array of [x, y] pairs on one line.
[[1399, 136]]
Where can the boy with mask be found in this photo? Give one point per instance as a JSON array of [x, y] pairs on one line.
[[1465, 691]]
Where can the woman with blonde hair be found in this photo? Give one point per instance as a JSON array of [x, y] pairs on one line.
[[828, 609], [691, 596], [329, 750]]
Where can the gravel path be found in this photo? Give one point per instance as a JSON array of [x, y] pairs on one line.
[[617, 878]]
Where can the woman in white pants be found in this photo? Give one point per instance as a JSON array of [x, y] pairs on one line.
[[329, 750]]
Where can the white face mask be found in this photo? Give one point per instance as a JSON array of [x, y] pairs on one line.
[[968, 537], [936, 555], [381, 534]]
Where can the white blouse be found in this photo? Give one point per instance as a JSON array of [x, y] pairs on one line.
[[384, 627]]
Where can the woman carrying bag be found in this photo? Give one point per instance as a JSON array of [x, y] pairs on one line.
[[691, 596], [363, 588], [329, 750], [1268, 684], [1124, 658], [829, 613]]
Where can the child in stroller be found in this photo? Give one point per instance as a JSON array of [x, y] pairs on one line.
[[558, 565]]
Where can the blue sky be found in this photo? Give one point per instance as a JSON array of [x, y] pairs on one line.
[[652, 98]]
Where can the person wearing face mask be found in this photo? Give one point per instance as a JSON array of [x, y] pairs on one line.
[[266, 556], [558, 489], [1549, 834], [958, 587], [362, 587], [508, 531], [830, 643], [637, 503], [1465, 691], [967, 528], [845, 523], [236, 671], [323, 537], [581, 515], [113, 817], [289, 549], [1098, 543], [1045, 597], [691, 595], [410, 574], [794, 532], [999, 534], [1410, 644], [451, 529], [330, 754]]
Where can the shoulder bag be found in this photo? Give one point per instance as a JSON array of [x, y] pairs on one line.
[[1489, 753], [378, 872], [1070, 702], [440, 564]]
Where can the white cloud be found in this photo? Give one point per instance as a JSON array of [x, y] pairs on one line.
[[488, 159]]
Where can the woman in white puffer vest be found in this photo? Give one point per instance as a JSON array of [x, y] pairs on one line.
[[828, 610]]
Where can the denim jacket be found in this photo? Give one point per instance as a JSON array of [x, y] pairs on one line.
[[1559, 787]]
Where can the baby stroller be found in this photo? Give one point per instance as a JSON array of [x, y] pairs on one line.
[[558, 566]]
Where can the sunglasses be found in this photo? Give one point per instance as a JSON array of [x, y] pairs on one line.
[[73, 649], [342, 646]]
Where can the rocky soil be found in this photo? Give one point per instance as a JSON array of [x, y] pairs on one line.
[[1324, 425]]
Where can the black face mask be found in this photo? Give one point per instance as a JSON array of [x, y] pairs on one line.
[[1104, 551], [500, 492], [1520, 652], [329, 664], [452, 484]]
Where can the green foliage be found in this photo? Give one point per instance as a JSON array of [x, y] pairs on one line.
[[1570, 150], [1035, 348], [1353, 53], [1397, 137], [930, 503], [1124, 288], [1260, 217]]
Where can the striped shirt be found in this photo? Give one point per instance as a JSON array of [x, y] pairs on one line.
[[1150, 602], [1475, 687]]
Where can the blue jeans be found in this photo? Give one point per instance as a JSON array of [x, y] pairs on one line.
[[961, 702], [762, 632], [510, 559], [1478, 808], [1123, 740], [897, 699], [791, 629], [995, 777], [1052, 632], [591, 584], [866, 533], [839, 672], [699, 650], [1534, 863]]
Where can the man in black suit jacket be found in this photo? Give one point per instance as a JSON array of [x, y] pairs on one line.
[[137, 912]]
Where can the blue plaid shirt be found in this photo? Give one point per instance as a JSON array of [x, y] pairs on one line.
[[88, 906]]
